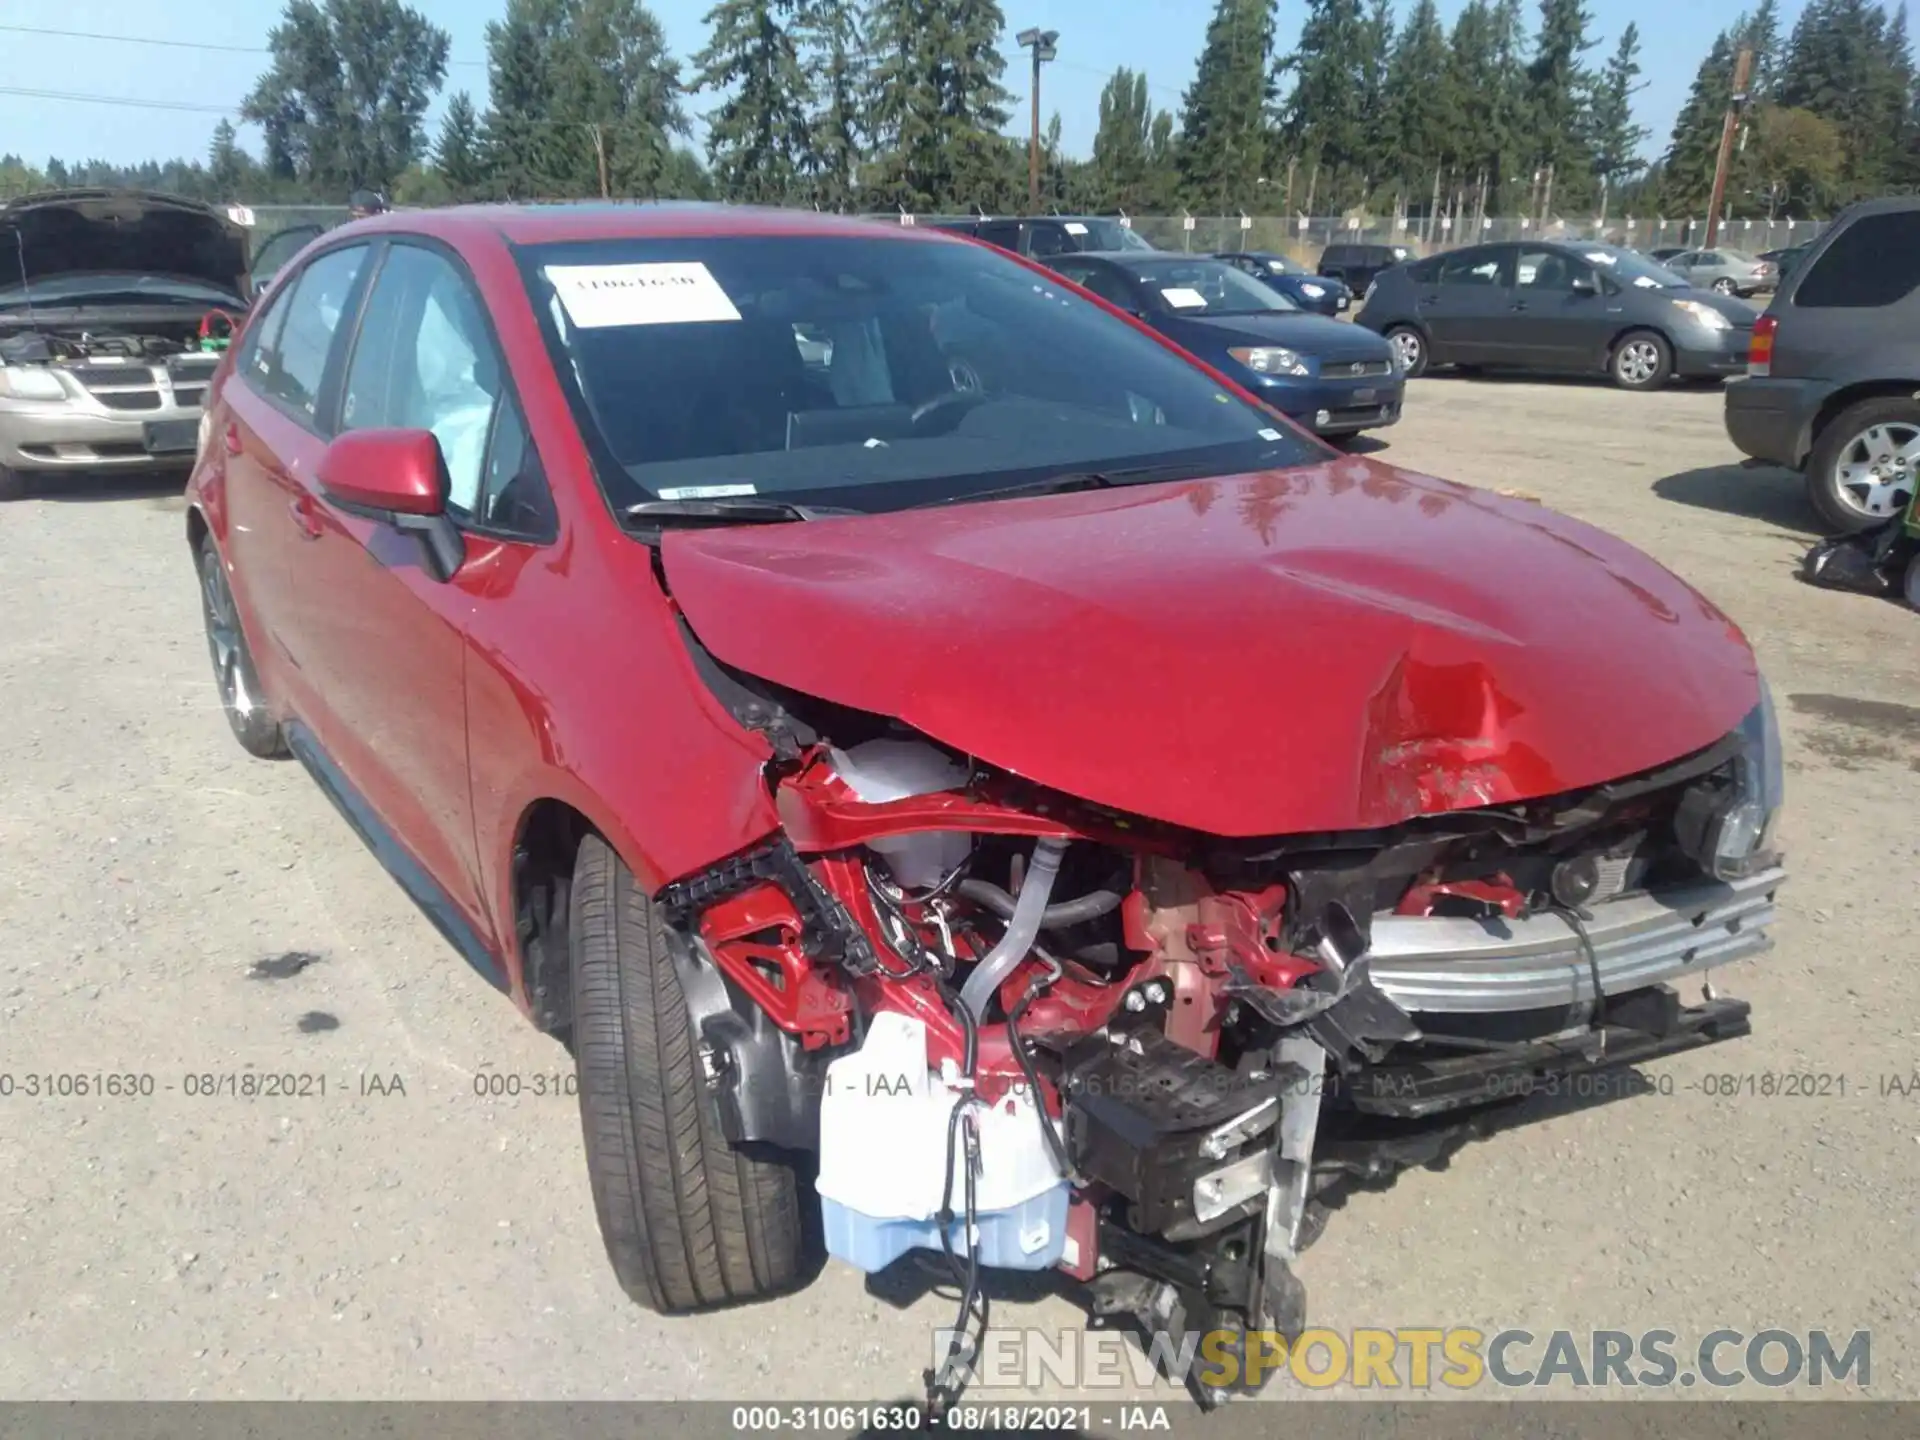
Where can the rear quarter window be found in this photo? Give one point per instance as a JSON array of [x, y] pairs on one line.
[[1874, 261]]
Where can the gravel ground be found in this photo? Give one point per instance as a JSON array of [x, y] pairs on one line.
[[402, 1237]]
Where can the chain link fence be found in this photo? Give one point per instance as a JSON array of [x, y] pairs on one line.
[[1305, 237]]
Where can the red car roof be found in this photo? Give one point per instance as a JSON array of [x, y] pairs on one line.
[[606, 220]]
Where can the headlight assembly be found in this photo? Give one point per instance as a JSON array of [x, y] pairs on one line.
[[1271, 360], [26, 382], [1704, 313], [1727, 821]]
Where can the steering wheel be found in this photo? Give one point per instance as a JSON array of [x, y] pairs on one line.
[[954, 404]]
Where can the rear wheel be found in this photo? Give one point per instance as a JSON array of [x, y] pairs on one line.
[[13, 485], [688, 1221], [1642, 361], [1410, 349], [233, 674], [1864, 466], [1725, 287]]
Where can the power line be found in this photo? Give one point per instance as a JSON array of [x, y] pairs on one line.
[[169, 44], [186, 105]]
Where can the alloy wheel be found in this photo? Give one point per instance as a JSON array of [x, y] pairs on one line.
[[1874, 475], [1407, 349], [1638, 361], [1725, 287], [223, 635]]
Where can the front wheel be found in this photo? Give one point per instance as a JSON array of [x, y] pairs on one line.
[[13, 485], [1863, 468], [1410, 349], [689, 1222], [1642, 361], [252, 723]]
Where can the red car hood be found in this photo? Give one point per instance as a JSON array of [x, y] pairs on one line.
[[1331, 648]]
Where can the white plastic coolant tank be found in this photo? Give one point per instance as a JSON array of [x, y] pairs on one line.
[[881, 770], [883, 1156]]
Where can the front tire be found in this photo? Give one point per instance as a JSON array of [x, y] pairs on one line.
[[241, 697], [688, 1221], [1864, 466], [1410, 349], [13, 485], [1643, 360]]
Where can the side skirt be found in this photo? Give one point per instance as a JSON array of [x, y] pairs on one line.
[[419, 886]]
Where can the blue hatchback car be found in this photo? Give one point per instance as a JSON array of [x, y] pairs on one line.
[[1332, 377], [1322, 294]]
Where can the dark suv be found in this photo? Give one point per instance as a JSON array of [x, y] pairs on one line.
[[1834, 368], [1358, 264], [1044, 235]]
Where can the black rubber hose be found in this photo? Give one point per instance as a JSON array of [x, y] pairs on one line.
[[1089, 906]]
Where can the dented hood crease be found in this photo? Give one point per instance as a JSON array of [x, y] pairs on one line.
[[1335, 647]]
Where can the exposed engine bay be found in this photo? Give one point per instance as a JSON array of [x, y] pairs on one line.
[[77, 345], [1027, 1032]]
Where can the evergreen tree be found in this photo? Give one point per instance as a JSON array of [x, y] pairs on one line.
[[227, 164], [1613, 140], [1421, 110], [833, 51], [1379, 158], [571, 82], [1761, 30], [1557, 88], [1848, 61], [456, 154], [937, 104], [1324, 119], [1488, 85], [758, 138], [1687, 182], [1223, 128]]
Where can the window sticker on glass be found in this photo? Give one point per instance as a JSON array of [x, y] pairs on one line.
[[601, 296], [1074, 227], [1268, 434], [1600, 257], [1646, 282], [1182, 297], [705, 492]]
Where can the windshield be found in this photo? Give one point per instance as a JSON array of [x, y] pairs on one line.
[[1629, 267], [115, 288], [1278, 264], [870, 372], [1206, 287], [1112, 235]]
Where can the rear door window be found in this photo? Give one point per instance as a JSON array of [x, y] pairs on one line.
[[1004, 233], [1478, 266], [1874, 261]]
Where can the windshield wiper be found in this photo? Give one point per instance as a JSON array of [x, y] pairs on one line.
[[1066, 480], [729, 509]]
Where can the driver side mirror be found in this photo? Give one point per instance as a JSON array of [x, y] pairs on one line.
[[1585, 285], [399, 478]]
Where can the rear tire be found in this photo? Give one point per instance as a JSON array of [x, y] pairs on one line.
[[1873, 435], [1410, 349], [1725, 287], [13, 485], [1643, 360], [241, 697], [688, 1221]]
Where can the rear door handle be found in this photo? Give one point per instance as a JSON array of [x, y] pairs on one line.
[[307, 516]]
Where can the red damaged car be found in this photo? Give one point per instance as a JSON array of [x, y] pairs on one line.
[[927, 744]]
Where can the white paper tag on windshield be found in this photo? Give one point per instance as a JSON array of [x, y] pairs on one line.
[[1268, 434], [1074, 227], [1181, 298], [703, 492], [677, 293]]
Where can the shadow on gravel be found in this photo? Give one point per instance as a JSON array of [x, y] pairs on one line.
[[1774, 495]]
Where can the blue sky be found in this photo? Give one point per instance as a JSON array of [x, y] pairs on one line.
[[1161, 37]]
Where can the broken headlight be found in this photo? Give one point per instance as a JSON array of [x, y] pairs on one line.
[[1727, 821]]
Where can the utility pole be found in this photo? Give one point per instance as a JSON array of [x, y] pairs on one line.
[[1043, 44], [1736, 106]]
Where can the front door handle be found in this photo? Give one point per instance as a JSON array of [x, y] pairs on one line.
[[307, 516], [1519, 304]]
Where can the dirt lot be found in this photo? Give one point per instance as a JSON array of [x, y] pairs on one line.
[[411, 1239]]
